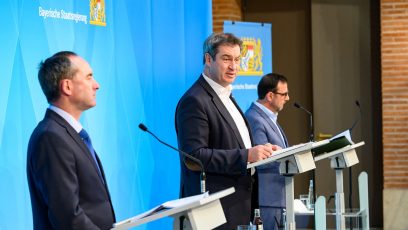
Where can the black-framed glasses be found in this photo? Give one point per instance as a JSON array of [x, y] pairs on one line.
[[282, 94]]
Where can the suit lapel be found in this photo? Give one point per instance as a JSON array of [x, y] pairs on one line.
[[75, 136], [272, 125], [284, 136], [222, 110]]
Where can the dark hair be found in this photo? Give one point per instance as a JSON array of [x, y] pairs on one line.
[[268, 83], [215, 40], [52, 71]]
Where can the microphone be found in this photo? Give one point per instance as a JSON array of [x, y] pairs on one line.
[[350, 171], [358, 118], [297, 105], [190, 165], [311, 139]]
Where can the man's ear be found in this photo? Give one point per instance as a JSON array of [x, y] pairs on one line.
[[66, 87], [208, 58], [269, 96]]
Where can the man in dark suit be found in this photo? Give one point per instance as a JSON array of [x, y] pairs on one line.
[[262, 116], [211, 127], [67, 183]]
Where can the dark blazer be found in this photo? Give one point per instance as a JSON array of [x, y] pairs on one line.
[[66, 189], [271, 183], [206, 130]]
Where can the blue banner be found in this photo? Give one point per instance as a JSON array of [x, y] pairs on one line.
[[144, 54], [256, 58]]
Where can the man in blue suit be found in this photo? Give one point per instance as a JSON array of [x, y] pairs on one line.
[[262, 116], [67, 183], [211, 127]]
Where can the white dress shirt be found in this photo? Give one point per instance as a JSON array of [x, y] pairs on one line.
[[224, 94]]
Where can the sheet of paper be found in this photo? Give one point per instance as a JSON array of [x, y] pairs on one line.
[[166, 205]]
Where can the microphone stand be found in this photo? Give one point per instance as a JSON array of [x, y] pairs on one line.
[[188, 164], [350, 171], [311, 139]]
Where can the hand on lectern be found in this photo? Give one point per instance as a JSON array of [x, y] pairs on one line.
[[274, 147], [259, 152]]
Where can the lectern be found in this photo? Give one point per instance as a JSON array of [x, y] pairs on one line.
[[192, 213], [340, 159], [293, 160]]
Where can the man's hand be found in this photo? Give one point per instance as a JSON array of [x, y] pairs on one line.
[[261, 152], [274, 147]]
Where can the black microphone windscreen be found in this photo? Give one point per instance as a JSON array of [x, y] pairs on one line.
[[296, 105], [142, 127], [358, 118]]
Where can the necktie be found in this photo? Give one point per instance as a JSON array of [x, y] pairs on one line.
[[87, 140]]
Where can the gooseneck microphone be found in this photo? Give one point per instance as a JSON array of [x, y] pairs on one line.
[[311, 139], [190, 166], [358, 118], [311, 131], [350, 170]]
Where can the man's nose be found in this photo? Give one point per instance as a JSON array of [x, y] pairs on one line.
[[96, 85], [234, 65]]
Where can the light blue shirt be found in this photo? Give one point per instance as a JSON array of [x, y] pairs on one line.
[[274, 117], [68, 117]]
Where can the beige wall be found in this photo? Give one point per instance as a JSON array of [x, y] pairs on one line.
[[395, 209]]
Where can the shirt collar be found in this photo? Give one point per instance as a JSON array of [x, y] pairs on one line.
[[220, 90], [271, 115], [68, 117]]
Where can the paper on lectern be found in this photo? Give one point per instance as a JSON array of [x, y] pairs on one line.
[[166, 205], [345, 134], [281, 153], [341, 140]]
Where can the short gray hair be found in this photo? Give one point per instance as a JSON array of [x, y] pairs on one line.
[[215, 40]]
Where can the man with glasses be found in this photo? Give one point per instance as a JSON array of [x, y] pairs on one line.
[[262, 116]]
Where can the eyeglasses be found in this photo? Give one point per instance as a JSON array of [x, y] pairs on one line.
[[282, 94]]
